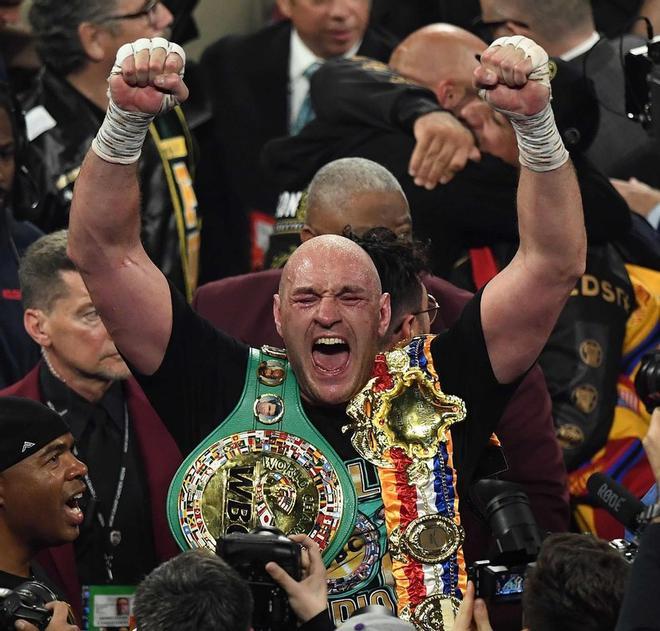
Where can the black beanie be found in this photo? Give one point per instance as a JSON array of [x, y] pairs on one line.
[[25, 427]]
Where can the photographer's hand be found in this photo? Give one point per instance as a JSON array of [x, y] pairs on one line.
[[308, 597], [472, 614], [57, 623]]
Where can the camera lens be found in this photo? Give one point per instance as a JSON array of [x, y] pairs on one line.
[[647, 381]]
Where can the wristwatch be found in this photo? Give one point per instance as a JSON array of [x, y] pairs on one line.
[[650, 512]]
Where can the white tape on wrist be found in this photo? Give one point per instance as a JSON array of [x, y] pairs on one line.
[[122, 134], [540, 147]]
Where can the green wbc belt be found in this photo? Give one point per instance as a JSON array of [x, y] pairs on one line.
[[265, 465]]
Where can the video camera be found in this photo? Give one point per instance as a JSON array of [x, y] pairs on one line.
[[26, 602], [607, 493], [517, 540], [248, 554], [642, 74], [647, 380]]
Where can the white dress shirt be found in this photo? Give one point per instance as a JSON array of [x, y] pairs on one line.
[[301, 58], [581, 48]]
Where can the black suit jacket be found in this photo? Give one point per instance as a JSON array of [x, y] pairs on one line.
[[246, 79], [617, 136]]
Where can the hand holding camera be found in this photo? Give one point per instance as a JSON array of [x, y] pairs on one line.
[[286, 575], [472, 614], [58, 621], [308, 597], [32, 606]]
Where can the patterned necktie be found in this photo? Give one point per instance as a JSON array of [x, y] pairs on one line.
[[306, 112]]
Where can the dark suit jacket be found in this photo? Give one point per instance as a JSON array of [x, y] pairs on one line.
[[242, 307], [247, 79], [161, 458], [617, 136]]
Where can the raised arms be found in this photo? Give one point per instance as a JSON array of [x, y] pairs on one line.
[[129, 291]]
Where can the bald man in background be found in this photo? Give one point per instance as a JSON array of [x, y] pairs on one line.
[[363, 111]]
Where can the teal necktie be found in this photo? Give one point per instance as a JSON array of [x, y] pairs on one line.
[[306, 113]]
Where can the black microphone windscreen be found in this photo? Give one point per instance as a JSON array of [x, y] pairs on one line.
[[615, 499]]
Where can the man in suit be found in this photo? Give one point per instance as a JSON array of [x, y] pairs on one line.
[[258, 86], [565, 28]]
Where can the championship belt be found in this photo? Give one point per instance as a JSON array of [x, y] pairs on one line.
[[401, 425], [265, 465]]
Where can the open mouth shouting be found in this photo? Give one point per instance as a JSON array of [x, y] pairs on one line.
[[72, 508], [331, 355]]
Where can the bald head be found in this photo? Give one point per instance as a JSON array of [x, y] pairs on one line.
[[437, 52], [332, 314], [330, 254], [355, 193]]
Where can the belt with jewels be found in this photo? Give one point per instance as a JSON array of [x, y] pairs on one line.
[[402, 423], [265, 465]]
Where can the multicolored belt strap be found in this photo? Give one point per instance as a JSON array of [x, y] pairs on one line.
[[265, 465], [172, 137], [402, 423]]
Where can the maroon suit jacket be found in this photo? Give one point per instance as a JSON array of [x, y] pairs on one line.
[[161, 458], [242, 307]]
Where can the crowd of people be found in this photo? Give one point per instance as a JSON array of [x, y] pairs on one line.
[[326, 280]]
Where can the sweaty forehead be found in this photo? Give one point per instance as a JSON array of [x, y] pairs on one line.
[[330, 262]]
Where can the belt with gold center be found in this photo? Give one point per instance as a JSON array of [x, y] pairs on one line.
[[402, 422], [265, 465]]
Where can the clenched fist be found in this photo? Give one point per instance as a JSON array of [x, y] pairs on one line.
[[148, 76]]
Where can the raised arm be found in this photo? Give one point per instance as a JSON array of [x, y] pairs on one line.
[[128, 290], [521, 304]]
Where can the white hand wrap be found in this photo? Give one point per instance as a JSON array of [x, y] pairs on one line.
[[540, 70], [540, 146], [122, 134]]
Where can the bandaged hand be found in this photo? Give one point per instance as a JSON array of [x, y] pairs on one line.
[[514, 79], [146, 80]]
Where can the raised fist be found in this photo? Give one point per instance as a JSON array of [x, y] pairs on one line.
[[148, 76], [514, 77]]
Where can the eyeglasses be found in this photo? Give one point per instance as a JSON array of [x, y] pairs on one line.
[[148, 11], [432, 309]]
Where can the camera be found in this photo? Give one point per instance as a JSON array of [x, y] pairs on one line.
[[248, 554], [517, 541], [627, 549], [642, 73], [647, 380], [26, 602]]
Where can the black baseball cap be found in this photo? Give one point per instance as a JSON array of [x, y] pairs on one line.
[[25, 427]]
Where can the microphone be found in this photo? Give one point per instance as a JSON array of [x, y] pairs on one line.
[[616, 500]]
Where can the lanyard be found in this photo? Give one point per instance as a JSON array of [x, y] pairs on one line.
[[109, 556]]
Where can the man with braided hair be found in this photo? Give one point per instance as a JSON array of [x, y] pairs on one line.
[[331, 313]]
